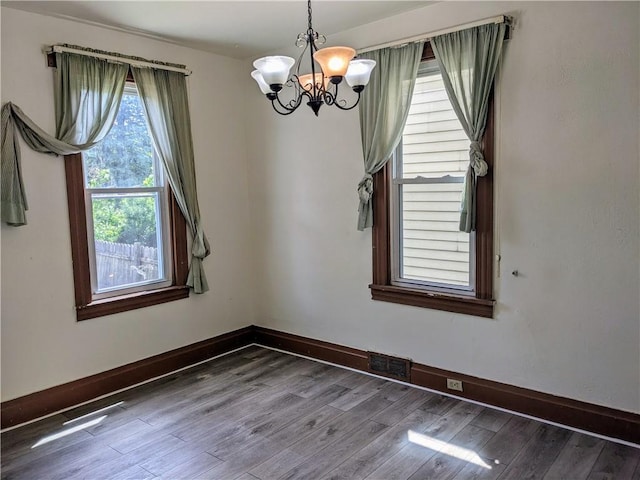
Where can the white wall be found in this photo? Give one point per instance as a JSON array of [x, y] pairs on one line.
[[567, 211], [42, 344]]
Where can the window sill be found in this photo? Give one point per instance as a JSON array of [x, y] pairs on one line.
[[132, 301], [438, 301]]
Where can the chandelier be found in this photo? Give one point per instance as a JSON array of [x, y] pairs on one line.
[[329, 66]]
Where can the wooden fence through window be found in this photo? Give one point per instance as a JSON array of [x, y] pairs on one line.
[[120, 264]]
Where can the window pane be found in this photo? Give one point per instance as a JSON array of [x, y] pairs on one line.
[[433, 142], [128, 246], [125, 157], [433, 249]]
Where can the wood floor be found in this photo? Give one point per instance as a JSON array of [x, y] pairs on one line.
[[261, 414]]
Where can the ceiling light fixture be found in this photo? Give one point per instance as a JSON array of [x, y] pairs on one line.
[[329, 66]]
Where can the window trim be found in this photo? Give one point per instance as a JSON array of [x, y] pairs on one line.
[[162, 216], [481, 304], [86, 307]]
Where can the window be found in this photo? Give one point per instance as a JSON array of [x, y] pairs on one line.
[[128, 236], [420, 256], [427, 182]]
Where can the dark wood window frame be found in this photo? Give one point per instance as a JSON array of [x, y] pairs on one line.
[[481, 304], [86, 307]]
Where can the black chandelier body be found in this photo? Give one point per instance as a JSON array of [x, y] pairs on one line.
[[329, 67], [316, 93]]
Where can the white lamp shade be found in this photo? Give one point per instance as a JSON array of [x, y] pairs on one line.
[[334, 60], [257, 76], [359, 72], [275, 69]]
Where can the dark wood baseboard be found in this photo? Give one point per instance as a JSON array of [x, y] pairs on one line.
[[592, 418], [585, 416], [329, 352], [44, 402]]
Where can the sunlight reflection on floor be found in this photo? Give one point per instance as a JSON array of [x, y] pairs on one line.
[[69, 431], [448, 449], [100, 410]]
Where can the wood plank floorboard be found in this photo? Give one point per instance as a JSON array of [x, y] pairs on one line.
[[491, 419], [369, 458], [455, 455], [337, 452], [402, 407], [259, 414], [509, 440], [615, 461], [194, 468], [538, 455], [576, 458]]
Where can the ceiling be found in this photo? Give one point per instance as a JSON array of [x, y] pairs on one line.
[[239, 29]]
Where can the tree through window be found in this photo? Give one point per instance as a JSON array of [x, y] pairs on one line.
[[127, 203]]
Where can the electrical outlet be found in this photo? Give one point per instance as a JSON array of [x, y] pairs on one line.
[[454, 384]]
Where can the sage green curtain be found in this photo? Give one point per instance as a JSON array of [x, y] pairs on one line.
[[468, 60], [383, 112], [13, 197], [87, 98], [166, 104], [87, 95]]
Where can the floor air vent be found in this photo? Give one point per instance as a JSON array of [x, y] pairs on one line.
[[394, 367]]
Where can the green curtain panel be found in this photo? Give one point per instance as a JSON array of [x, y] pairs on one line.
[[468, 60], [87, 98], [164, 96], [383, 112]]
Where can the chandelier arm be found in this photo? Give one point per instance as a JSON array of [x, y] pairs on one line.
[[331, 98], [287, 111], [299, 62], [328, 97], [337, 104], [312, 49], [290, 107]]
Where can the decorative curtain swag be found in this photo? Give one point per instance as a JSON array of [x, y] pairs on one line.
[[87, 94]]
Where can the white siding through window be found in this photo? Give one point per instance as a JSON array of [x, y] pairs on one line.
[[430, 166]]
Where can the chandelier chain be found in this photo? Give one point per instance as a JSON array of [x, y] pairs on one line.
[[309, 13]]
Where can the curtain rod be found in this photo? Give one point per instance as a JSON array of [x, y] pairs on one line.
[[427, 36], [130, 61]]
